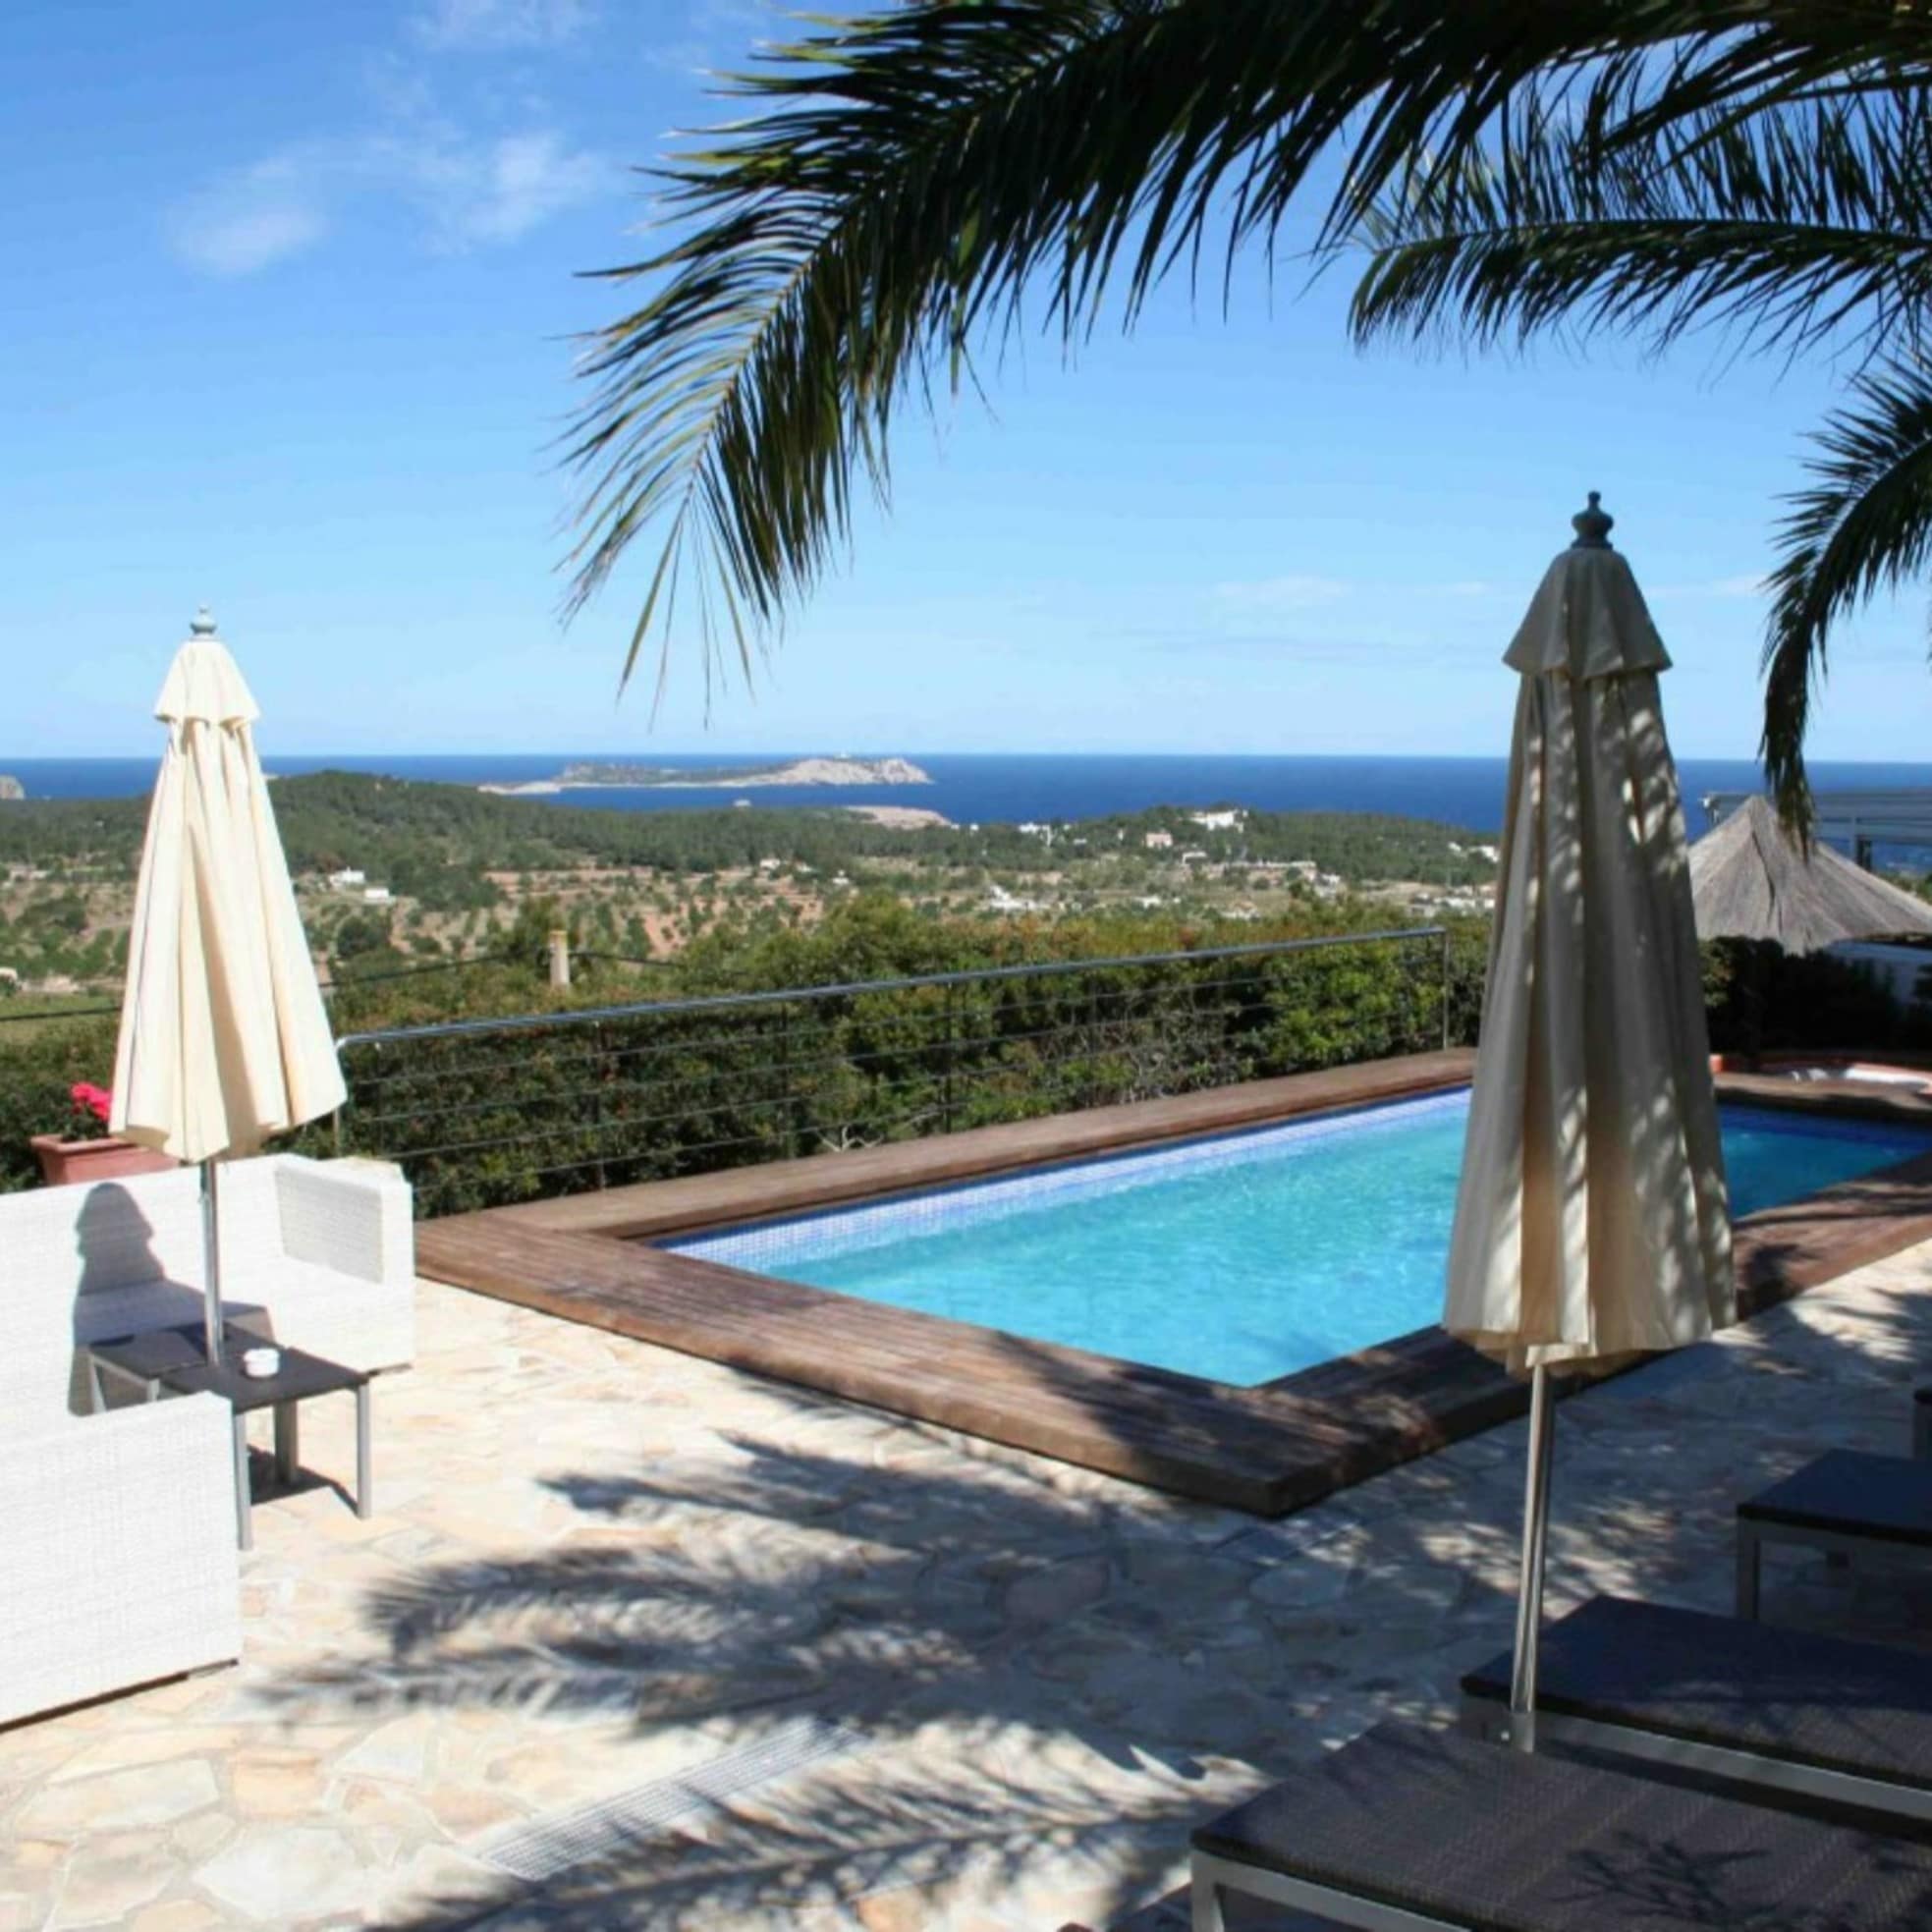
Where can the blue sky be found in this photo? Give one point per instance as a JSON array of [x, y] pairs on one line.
[[289, 294]]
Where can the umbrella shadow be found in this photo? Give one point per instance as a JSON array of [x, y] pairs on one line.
[[114, 1239]]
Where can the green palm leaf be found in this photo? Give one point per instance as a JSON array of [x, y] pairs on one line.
[[1864, 525], [1794, 228]]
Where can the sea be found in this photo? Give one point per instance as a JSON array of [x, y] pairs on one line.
[[984, 789]]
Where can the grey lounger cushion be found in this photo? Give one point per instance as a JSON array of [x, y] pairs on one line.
[[1886, 1498], [1477, 1836], [1861, 1708]]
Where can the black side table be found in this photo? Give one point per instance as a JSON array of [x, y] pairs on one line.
[[176, 1359]]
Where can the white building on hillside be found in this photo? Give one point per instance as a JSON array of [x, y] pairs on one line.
[[348, 879], [1157, 841], [1219, 822]]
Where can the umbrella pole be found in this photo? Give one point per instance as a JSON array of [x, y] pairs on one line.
[[1535, 1536], [211, 1254]]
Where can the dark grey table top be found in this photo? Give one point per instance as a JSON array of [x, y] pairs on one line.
[[177, 1358]]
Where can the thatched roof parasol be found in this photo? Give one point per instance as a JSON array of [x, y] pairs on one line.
[[1751, 880]]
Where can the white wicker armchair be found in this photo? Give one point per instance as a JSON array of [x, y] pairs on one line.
[[119, 1566]]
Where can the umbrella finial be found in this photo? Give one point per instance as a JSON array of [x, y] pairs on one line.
[[1592, 525], [205, 621]]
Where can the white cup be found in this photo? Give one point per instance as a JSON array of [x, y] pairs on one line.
[[260, 1362]]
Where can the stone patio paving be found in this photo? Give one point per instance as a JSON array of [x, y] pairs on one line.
[[602, 1568]]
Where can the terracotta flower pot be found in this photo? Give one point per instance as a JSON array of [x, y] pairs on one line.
[[63, 1162]]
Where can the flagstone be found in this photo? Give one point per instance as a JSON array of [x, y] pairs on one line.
[[379, 1806], [199, 1837], [1058, 1591], [105, 1882], [283, 1875], [20, 1857], [274, 1783], [153, 1747], [115, 1800], [175, 1916], [398, 1750]]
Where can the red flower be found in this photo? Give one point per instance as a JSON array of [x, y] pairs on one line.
[[95, 1100]]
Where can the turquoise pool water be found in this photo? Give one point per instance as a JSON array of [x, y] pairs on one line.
[[1240, 1257]]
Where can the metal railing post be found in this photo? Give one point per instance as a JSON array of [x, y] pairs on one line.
[[791, 1111], [1445, 989], [597, 1093], [952, 1058], [1092, 1047]]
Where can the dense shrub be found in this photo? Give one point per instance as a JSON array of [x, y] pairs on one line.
[[41, 1061], [1762, 999]]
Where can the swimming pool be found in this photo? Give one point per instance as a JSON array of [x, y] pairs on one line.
[[1239, 1258]]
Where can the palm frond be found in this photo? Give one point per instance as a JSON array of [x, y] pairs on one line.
[[907, 178], [1864, 525], [1796, 227]]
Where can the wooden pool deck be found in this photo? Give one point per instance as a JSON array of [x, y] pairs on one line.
[[1268, 1449]]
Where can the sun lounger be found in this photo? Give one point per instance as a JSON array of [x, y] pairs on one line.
[[1830, 1726], [1843, 1503], [1407, 1829]]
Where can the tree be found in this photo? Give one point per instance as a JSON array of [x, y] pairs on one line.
[[361, 936], [908, 179]]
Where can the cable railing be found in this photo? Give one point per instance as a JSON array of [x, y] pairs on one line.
[[481, 1111], [34, 1012]]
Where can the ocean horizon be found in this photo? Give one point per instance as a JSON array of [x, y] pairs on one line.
[[1000, 788]]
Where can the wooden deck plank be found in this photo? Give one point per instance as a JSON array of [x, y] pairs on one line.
[[1267, 1450], [1262, 1451]]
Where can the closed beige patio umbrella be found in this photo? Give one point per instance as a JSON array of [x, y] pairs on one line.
[[224, 1040], [1590, 1222]]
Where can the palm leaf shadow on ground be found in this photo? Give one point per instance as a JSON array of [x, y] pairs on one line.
[[1074, 1671]]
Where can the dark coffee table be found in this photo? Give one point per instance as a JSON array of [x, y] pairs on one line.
[[176, 1359]]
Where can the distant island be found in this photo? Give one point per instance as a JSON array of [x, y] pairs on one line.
[[604, 773]]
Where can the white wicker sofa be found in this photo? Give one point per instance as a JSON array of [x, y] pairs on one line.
[[319, 1253], [118, 1529]]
